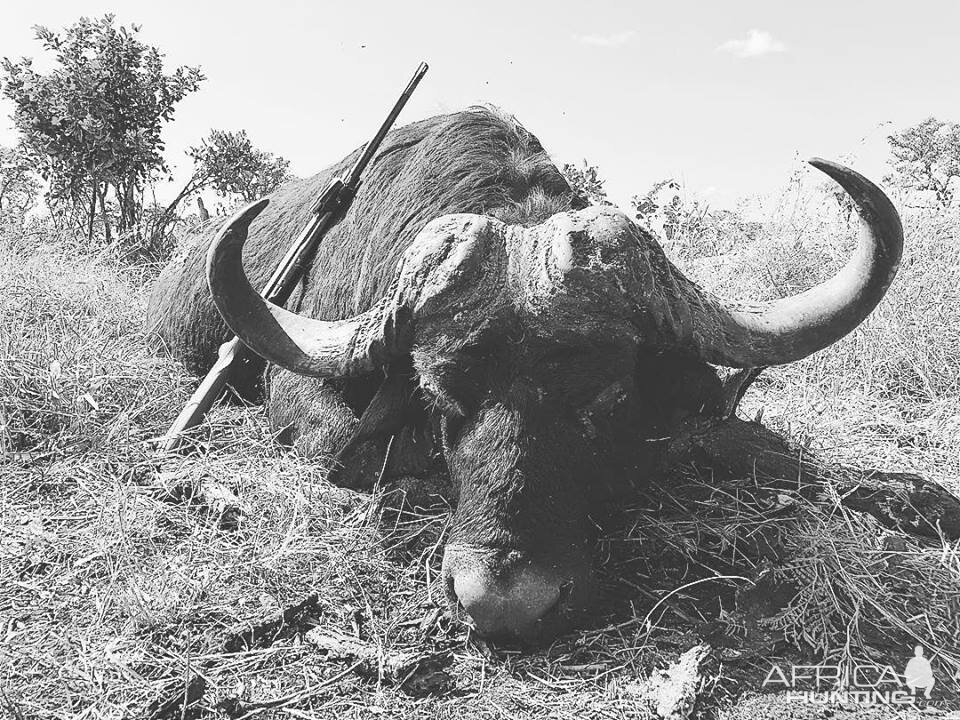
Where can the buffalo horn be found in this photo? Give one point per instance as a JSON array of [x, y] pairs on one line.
[[317, 348], [789, 329]]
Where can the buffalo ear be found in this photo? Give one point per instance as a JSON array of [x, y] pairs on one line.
[[394, 406]]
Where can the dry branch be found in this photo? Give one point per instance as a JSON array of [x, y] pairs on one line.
[[899, 501], [391, 666], [264, 633], [905, 502]]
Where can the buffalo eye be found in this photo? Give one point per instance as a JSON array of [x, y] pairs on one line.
[[602, 407]]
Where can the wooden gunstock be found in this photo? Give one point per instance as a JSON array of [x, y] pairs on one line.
[[202, 399]]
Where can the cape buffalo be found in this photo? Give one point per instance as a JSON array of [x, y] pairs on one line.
[[473, 309]]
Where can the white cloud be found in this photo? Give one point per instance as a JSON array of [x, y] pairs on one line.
[[607, 41], [758, 42]]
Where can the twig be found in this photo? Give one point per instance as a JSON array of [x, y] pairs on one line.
[[646, 619], [256, 708]]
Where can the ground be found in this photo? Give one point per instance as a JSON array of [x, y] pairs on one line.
[[128, 585]]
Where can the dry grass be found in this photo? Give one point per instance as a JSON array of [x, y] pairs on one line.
[[119, 585]]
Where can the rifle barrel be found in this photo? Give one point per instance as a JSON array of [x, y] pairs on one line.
[[285, 276], [327, 209], [371, 147]]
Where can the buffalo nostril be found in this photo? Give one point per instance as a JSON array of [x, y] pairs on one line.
[[513, 604]]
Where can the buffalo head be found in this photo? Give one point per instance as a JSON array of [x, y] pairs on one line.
[[534, 347]]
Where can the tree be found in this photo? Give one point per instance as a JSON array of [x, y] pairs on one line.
[[18, 185], [586, 183], [230, 163], [690, 226], [926, 158], [93, 123], [665, 204]]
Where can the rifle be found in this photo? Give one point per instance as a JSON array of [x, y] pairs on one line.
[[325, 213]]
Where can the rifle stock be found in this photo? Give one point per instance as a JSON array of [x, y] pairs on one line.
[[326, 212], [203, 397]]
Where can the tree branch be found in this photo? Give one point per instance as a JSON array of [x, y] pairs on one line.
[[899, 501]]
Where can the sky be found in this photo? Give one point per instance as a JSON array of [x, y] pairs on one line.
[[728, 97]]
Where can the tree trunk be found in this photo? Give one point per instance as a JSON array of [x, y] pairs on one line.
[[133, 216], [93, 212], [167, 215], [121, 190], [103, 213], [51, 211]]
